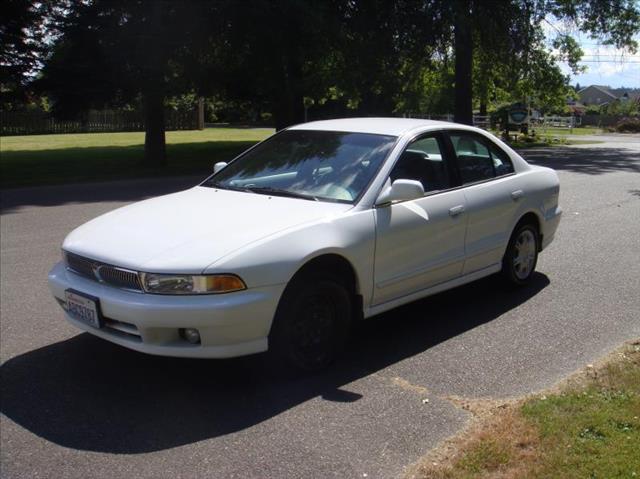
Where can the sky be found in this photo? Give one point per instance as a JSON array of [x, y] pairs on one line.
[[606, 65]]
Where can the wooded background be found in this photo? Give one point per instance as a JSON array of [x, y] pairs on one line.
[[291, 60]]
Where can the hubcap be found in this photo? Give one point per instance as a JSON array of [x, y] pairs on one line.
[[525, 254]]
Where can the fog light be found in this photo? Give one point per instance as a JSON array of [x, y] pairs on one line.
[[190, 334]]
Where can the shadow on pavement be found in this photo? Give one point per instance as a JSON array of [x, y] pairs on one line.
[[592, 161], [121, 191], [85, 393]]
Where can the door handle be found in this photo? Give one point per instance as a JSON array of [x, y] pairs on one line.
[[456, 210], [516, 195]]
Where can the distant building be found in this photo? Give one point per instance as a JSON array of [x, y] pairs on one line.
[[596, 95], [601, 95]]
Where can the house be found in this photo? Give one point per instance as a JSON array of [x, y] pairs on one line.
[[596, 95], [603, 95]]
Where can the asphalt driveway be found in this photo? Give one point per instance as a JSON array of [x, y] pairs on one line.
[[76, 406]]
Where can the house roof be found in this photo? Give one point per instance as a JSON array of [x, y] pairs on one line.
[[603, 89]]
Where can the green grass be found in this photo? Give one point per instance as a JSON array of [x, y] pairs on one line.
[[552, 137], [592, 431], [589, 429], [550, 141], [488, 455], [52, 159], [581, 130]]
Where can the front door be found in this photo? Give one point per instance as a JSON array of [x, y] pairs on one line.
[[420, 243]]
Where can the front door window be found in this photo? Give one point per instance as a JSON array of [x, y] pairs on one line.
[[423, 161]]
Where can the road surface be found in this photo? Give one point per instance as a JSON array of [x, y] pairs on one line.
[[75, 406]]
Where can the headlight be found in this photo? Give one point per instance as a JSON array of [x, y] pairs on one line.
[[191, 284]]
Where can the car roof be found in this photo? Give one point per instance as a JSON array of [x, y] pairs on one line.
[[378, 126]]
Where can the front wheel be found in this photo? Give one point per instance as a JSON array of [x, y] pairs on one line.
[[312, 323], [519, 262]]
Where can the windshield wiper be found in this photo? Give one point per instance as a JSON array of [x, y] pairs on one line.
[[268, 190], [262, 190], [215, 184]]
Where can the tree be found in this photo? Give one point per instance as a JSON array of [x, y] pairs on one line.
[[345, 57], [273, 54], [116, 52], [512, 29], [24, 25], [382, 50], [366, 57]]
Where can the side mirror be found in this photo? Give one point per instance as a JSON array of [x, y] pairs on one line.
[[401, 190], [218, 166]]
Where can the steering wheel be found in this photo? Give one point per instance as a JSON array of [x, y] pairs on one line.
[[337, 192]]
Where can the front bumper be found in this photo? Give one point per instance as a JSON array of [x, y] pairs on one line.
[[234, 324]]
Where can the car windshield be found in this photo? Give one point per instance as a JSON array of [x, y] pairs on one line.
[[315, 165]]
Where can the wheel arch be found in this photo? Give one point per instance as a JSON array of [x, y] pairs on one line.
[[531, 217], [336, 265], [339, 267]]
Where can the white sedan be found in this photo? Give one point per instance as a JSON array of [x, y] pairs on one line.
[[319, 225]]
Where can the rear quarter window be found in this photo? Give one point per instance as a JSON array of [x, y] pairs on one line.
[[501, 161]]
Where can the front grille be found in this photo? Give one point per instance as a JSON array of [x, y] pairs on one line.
[[102, 272], [80, 265], [119, 277]]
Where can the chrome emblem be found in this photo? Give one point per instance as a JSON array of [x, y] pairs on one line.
[[96, 271]]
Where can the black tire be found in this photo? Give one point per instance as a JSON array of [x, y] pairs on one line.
[[311, 324], [520, 259]]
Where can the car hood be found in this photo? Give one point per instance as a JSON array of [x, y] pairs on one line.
[[187, 231]]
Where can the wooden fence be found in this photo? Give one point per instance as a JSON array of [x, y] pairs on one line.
[[95, 121], [551, 121]]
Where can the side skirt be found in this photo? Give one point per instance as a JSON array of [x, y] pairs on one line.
[[468, 278]]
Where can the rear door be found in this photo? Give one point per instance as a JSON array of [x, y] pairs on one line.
[[420, 243], [492, 195]]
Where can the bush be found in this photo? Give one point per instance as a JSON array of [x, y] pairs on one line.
[[593, 110], [628, 125]]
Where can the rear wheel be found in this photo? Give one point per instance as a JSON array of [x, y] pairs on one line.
[[312, 323], [519, 262]]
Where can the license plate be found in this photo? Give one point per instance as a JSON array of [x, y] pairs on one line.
[[84, 308]]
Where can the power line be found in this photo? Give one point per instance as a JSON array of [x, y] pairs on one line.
[[610, 61]]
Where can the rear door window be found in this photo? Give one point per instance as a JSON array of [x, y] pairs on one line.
[[474, 159]]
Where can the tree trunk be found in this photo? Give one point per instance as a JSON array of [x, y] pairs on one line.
[[155, 153], [289, 101], [463, 47], [288, 110], [153, 91]]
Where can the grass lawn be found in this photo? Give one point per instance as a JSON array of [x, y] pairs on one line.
[[581, 130], [589, 428], [550, 141], [50, 159], [53, 159], [553, 137]]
